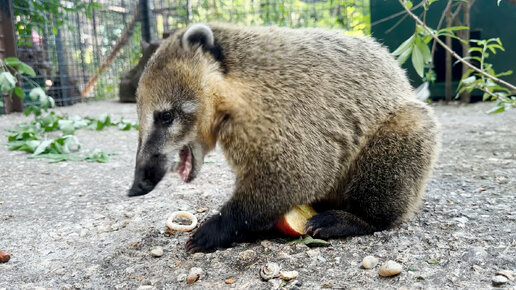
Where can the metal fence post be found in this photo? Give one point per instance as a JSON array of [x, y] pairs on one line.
[[8, 49], [145, 16], [63, 71]]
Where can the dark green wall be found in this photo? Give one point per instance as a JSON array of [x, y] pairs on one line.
[[486, 17]]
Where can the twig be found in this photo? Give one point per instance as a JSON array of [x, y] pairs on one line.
[[453, 53], [396, 14], [122, 41], [448, 5], [396, 24]]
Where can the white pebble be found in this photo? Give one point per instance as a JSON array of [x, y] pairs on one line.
[[181, 277], [370, 262], [499, 280], [390, 268], [157, 251], [247, 256], [194, 275]]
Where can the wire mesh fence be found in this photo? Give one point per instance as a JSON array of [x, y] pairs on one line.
[[80, 49]]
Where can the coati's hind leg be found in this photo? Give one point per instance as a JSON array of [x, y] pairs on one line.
[[385, 183]]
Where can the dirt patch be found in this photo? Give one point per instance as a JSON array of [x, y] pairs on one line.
[[69, 225]]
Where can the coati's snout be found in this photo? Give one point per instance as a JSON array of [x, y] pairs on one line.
[[148, 173], [151, 168]]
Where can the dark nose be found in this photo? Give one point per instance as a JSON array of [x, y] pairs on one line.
[[148, 174], [140, 188]]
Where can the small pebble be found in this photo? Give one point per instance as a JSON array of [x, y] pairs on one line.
[[157, 251], [181, 277], [370, 262], [198, 255], [288, 275], [4, 257], [247, 256], [499, 280], [194, 275], [390, 268], [201, 210], [230, 281], [507, 273], [283, 256]]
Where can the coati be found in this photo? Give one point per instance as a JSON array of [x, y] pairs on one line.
[[129, 81], [303, 116]]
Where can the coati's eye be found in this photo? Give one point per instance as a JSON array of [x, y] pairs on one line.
[[167, 118]]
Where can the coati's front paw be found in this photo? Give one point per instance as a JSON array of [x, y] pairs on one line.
[[213, 234], [337, 223]]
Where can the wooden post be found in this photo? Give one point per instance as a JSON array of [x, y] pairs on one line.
[[448, 62], [8, 49], [466, 7]]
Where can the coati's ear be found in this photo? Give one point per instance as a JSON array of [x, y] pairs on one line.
[[201, 35], [144, 44], [198, 35]]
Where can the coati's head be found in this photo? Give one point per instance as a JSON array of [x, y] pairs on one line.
[[175, 103]]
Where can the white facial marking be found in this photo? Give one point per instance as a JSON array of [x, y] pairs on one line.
[[188, 107]]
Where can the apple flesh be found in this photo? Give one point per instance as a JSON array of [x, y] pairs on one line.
[[293, 222]]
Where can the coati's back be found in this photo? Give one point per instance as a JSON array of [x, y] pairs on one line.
[[311, 69]]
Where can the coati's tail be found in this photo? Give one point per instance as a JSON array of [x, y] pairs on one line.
[[386, 182]]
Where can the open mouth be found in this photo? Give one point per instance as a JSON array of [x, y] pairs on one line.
[[186, 164]]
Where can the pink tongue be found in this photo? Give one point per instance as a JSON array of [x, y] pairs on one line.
[[185, 167]]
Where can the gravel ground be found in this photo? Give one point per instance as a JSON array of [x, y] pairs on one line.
[[69, 225]]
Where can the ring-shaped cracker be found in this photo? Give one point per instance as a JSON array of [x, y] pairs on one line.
[[183, 228]]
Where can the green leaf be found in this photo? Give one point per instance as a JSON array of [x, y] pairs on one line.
[[66, 126], [7, 82], [402, 58], [124, 126], [432, 261], [12, 61], [36, 93], [26, 69], [469, 80], [311, 242], [19, 92], [407, 44], [497, 109], [42, 147], [418, 61], [452, 28], [507, 73], [425, 51], [27, 146]]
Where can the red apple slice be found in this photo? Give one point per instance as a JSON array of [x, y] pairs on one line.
[[293, 222]]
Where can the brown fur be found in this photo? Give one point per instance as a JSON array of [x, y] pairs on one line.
[[305, 116]]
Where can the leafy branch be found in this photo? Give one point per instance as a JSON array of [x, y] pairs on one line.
[[483, 78], [435, 36]]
